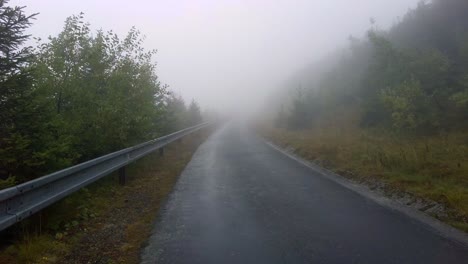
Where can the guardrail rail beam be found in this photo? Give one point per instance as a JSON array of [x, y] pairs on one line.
[[23, 200]]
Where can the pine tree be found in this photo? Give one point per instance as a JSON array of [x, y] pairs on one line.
[[15, 90], [194, 112]]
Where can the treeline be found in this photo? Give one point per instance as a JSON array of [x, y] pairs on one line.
[[411, 79], [77, 96]]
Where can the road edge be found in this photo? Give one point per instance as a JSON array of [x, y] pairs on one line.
[[433, 224]]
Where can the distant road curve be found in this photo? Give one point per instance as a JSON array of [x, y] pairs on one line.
[[241, 201]]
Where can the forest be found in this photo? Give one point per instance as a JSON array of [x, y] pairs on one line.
[[76, 96], [391, 106], [412, 79]]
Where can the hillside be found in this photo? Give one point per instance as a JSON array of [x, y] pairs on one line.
[[393, 107]]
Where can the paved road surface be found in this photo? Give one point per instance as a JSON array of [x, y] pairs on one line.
[[240, 201]]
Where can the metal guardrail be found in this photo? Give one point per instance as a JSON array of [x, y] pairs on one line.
[[23, 200]]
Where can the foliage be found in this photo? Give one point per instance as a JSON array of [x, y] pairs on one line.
[[101, 90], [298, 110], [406, 104], [393, 106], [178, 115], [16, 94], [461, 98], [8, 182], [412, 77], [76, 96], [64, 231], [13, 23], [194, 113], [434, 168]]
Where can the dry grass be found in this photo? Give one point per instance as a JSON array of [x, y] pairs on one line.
[[105, 223], [435, 167]]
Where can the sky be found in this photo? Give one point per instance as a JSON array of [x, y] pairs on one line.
[[226, 54]]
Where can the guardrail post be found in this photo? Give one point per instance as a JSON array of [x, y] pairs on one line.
[[23, 200], [123, 175]]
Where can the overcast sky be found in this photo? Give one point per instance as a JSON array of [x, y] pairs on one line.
[[218, 52]]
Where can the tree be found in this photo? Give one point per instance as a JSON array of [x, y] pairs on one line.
[[18, 117], [194, 113], [77, 96], [103, 89], [407, 105], [13, 57], [412, 77], [298, 118], [176, 115]]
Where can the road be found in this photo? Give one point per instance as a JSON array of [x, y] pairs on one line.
[[241, 201]]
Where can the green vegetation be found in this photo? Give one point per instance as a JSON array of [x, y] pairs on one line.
[[74, 97], [434, 168], [393, 106], [86, 228], [79, 95]]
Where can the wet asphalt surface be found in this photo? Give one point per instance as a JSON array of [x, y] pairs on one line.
[[240, 201]]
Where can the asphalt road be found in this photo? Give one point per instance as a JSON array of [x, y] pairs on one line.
[[241, 201]]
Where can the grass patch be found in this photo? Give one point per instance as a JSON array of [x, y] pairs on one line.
[[105, 222], [434, 168]]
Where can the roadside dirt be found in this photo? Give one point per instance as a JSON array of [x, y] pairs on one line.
[[435, 209], [106, 223], [118, 235]]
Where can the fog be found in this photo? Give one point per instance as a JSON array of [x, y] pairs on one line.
[[227, 54]]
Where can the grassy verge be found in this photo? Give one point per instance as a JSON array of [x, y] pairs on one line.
[[433, 168], [106, 222]]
